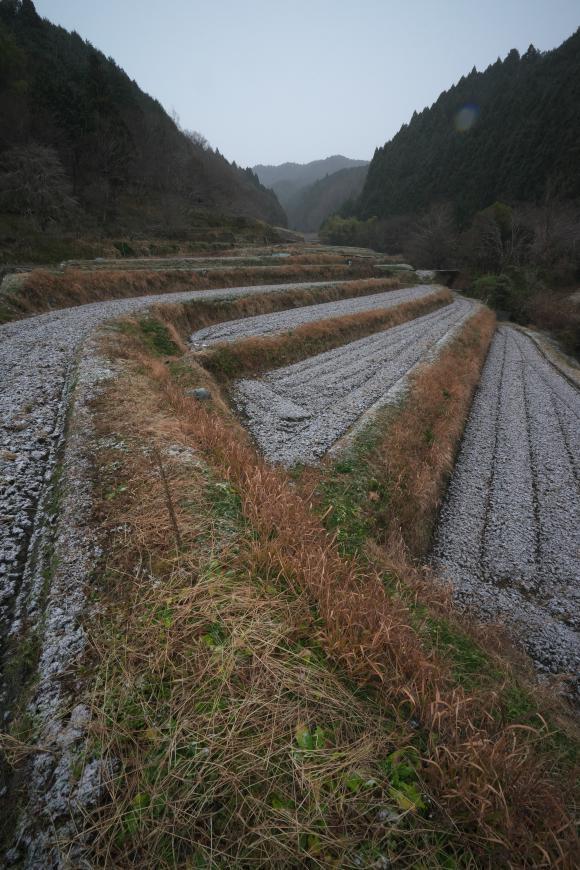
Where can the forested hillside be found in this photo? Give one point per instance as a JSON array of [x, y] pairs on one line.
[[80, 142], [311, 205], [503, 134]]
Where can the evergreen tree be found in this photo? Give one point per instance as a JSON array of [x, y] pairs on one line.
[[28, 12]]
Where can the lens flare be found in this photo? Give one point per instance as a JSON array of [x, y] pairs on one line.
[[466, 117]]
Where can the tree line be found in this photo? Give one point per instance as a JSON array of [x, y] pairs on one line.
[[502, 134], [487, 181], [80, 139]]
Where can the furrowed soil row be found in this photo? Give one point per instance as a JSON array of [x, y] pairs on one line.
[[298, 412], [267, 324], [509, 532]]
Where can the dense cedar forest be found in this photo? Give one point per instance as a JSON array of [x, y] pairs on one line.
[[503, 134], [487, 182], [80, 141]]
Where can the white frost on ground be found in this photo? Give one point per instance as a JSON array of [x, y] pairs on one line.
[[37, 361], [509, 533], [281, 321], [297, 413], [65, 551], [43, 597]]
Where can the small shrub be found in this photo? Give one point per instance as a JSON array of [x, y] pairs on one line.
[[124, 249]]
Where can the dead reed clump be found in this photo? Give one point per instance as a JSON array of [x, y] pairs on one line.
[[494, 795], [477, 764], [230, 739]]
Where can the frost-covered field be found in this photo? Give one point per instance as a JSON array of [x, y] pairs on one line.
[[509, 535], [297, 413], [282, 321]]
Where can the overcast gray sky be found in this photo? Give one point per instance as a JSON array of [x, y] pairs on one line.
[[273, 80]]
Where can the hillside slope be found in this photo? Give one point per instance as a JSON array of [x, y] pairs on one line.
[[103, 140], [310, 206], [288, 178], [502, 134]]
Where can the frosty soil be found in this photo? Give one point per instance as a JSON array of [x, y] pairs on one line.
[[297, 413], [281, 321], [509, 536]]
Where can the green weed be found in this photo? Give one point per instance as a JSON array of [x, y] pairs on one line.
[[157, 337]]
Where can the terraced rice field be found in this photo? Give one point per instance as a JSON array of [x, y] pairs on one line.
[[509, 533], [297, 413], [509, 536], [282, 321], [37, 364]]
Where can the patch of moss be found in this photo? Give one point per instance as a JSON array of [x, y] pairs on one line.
[[157, 337]]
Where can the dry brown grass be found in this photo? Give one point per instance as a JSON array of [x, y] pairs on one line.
[[43, 291], [276, 583], [481, 771], [234, 359], [190, 316], [417, 452], [314, 259], [213, 682]]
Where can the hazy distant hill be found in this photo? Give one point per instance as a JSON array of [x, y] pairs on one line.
[[502, 134], [311, 205], [288, 178], [72, 115]]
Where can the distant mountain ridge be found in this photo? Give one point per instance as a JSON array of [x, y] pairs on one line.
[[287, 179], [509, 133], [310, 206], [115, 151]]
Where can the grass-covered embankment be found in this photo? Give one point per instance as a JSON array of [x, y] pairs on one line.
[[269, 692], [249, 355], [406, 456], [187, 317], [41, 290]]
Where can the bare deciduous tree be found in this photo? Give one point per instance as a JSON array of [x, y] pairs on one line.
[[198, 139], [497, 239], [554, 229], [33, 183], [433, 240]]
